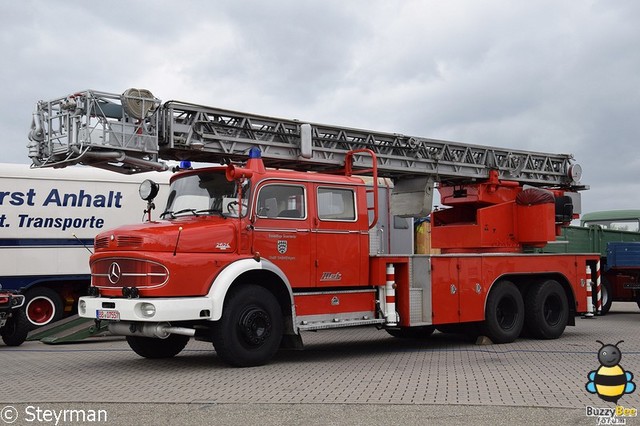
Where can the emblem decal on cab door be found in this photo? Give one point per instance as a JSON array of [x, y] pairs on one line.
[[282, 246]]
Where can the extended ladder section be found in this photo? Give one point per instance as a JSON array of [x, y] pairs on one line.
[[133, 132]]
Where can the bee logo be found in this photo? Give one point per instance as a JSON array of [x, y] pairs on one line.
[[610, 381]]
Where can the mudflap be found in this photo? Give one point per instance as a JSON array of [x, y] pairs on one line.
[[292, 342]]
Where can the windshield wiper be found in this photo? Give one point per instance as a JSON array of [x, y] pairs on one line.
[[192, 211], [174, 214], [210, 211]]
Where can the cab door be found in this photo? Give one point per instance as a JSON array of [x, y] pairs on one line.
[[282, 232], [339, 237]]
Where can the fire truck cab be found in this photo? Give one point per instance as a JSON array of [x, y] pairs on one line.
[[291, 233]]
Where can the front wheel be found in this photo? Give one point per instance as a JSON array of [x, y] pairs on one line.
[[15, 331], [250, 330], [546, 310], [155, 348], [504, 313]]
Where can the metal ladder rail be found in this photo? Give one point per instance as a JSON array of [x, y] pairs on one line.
[[179, 130], [212, 134]]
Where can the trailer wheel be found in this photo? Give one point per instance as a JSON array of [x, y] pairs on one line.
[[42, 306], [15, 330], [250, 329], [546, 310], [154, 348], [606, 296], [504, 314], [411, 332]]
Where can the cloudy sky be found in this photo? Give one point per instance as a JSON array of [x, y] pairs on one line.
[[557, 76]]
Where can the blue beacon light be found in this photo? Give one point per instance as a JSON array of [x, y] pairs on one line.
[[255, 153]]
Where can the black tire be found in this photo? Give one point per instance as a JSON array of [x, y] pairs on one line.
[[546, 310], [606, 297], [154, 348], [411, 332], [504, 313], [638, 298], [42, 306], [250, 330], [15, 330]]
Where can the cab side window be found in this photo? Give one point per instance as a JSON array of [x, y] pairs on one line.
[[282, 201], [336, 204]]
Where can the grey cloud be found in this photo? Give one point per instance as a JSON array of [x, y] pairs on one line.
[[558, 76]]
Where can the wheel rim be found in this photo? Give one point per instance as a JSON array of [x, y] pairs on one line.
[[254, 326], [507, 313], [552, 310], [40, 310]]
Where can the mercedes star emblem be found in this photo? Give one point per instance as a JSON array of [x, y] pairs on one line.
[[114, 273]]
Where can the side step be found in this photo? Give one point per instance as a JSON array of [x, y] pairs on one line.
[[318, 322], [71, 329], [346, 308]]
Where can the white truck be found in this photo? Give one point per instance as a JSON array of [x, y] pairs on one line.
[[48, 220]]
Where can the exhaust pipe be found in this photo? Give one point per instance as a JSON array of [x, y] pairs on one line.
[[160, 330]]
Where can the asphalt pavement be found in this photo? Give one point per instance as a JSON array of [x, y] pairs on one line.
[[352, 376]]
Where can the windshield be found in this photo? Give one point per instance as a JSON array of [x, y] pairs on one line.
[[207, 193]]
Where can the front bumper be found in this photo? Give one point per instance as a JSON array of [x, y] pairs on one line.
[[166, 309]]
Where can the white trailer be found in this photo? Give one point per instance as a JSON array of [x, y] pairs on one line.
[[48, 220]]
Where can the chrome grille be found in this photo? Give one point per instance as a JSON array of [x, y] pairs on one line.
[[128, 272]]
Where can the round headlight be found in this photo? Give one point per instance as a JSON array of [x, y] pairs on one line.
[[148, 190], [82, 307]]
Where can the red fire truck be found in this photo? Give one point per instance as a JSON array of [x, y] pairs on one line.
[[285, 234]]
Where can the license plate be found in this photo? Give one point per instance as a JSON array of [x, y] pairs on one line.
[[102, 314]]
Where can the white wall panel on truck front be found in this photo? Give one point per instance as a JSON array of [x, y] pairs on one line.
[[45, 260]]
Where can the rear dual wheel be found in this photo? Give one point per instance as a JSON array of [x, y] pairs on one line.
[[546, 310], [543, 314], [504, 313]]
